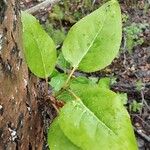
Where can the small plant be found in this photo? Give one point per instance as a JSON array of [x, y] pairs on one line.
[[132, 35], [135, 106], [125, 17], [139, 85], [93, 117]]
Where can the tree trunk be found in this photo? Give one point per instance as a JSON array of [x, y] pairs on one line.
[[21, 126]]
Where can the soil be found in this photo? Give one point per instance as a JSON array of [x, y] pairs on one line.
[[131, 69]]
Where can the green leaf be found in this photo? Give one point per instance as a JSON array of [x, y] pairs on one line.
[[58, 81], [94, 79], [94, 41], [82, 79], [104, 83], [67, 96], [135, 106], [98, 121], [123, 97], [54, 73], [58, 140], [61, 61], [39, 48]]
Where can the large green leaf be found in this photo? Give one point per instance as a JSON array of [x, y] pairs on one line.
[[94, 41], [58, 140], [40, 51], [100, 121]]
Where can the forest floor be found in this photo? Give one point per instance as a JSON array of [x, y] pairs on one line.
[[130, 71]]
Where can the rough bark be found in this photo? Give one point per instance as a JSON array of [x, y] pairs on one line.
[[21, 126]]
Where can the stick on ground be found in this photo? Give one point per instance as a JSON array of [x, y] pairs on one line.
[[43, 5]]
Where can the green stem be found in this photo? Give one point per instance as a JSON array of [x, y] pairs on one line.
[[65, 85], [73, 94], [69, 77]]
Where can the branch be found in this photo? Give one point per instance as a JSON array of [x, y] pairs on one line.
[[42, 5], [143, 100]]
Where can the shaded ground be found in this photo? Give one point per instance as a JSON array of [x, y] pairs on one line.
[[130, 72]]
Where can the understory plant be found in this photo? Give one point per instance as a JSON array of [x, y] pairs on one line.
[[132, 35], [91, 116]]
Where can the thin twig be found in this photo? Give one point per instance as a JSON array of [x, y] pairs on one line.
[[143, 100], [66, 83], [144, 122], [57, 110], [93, 2], [144, 136], [42, 5], [55, 103]]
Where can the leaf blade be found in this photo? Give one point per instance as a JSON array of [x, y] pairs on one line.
[[39, 49], [79, 121], [108, 111], [85, 47], [57, 140]]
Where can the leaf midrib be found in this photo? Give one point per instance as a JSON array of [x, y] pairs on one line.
[[86, 109], [101, 122], [99, 31], [43, 64]]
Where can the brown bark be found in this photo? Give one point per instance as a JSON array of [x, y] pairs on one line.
[[21, 126]]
